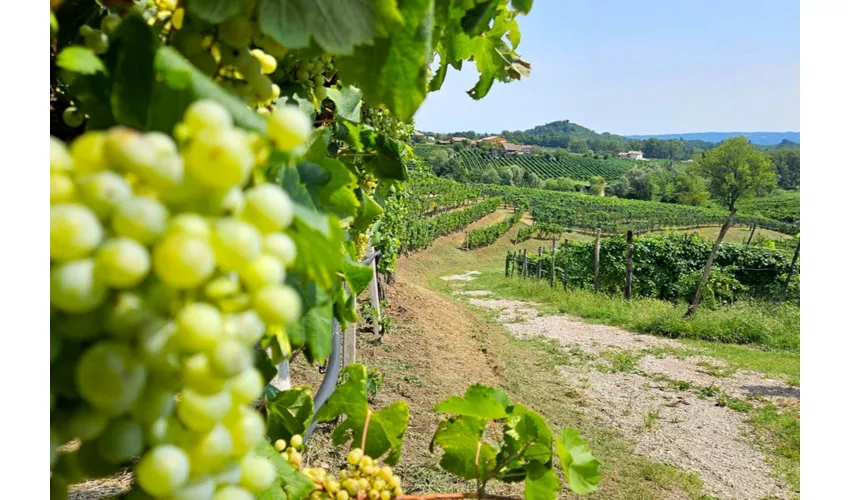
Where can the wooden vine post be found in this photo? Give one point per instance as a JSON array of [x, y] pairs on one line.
[[524, 272], [349, 341], [508, 264], [596, 260], [755, 225], [629, 247], [789, 273], [539, 261], [566, 256], [552, 266], [374, 298]]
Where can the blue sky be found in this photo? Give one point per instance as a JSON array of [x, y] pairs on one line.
[[641, 67]]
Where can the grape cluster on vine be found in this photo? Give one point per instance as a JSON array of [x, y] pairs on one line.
[[168, 261]]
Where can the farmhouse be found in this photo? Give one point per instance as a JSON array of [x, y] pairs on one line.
[[459, 139], [494, 139], [516, 149], [630, 155]]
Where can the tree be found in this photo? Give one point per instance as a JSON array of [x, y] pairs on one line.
[[532, 180], [491, 176], [597, 185], [787, 163], [735, 170]]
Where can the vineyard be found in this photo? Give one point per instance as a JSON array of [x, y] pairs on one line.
[[577, 211], [419, 233], [573, 166], [784, 207], [483, 236]]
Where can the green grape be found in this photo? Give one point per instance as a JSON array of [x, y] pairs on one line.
[[103, 192], [321, 93], [201, 488], [247, 428], [262, 271], [200, 412], [235, 31], [199, 327], [258, 474], [289, 127], [211, 450], [122, 263], [261, 88], [110, 377], [221, 287], [86, 423], [245, 327], [162, 470], [128, 150], [205, 114], [121, 441], [166, 173], [125, 315], [277, 305], [281, 246], [182, 261], [232, 493], [74, 287], [97, 41], [87, 152], [229, 358], [62, 189], [296, 441], [110, 23], [140, 218], [319, 80], [302, 75], [157, 401], [86, 30], [74, 231], [73, 117], [231, 473], [236, 243], [77, 327], [219, 158], [268, 208], [247, 386], [189, 224], [166, 430], [199, 376], [60, 159]]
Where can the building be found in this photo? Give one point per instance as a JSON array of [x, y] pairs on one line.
[[444, 142], [630, 155], [459, 139], [516, 149], [494, 139]]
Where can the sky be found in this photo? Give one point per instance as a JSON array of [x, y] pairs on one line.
[[640, 67]]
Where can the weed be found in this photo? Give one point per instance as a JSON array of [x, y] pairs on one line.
[[618, 361], [650, 420], [709, 391], [374, 381]]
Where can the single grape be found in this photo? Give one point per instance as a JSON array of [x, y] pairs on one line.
[[140, 218], [236, 243], [354, 456], [221, 287], [246, 327], [162, 470], [262, 271], [182, 261], [231, 473], [232, 493], [206, 114], [289, 128], [268, 208], [211, 450], [128, 150], [122, 263], [235, 31], [247, 428], [199, 327], [73, 117], [201, 413], [74, 231], [74, 287], [296, 441], [86, 423], [60, 159], [280, 445], [110, 377], [103, 192], [199, 376], [189, 224], [125, 315], [277, 305], [88, 154], [219, 158], [247, 386], [281, 246], [230, 357], [110, 23], [258, 474], [201, 488], [121, 441], [85, 30], [166, 430], [97, 41]]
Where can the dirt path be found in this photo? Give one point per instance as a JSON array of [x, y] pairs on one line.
[[683, 408]]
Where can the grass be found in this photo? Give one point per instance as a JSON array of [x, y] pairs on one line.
[[778, 431], [618, 361], [650, 420]]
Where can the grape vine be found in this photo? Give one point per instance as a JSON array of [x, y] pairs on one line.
[[216, 170]]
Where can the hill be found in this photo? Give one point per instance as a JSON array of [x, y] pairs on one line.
[[760, 138]]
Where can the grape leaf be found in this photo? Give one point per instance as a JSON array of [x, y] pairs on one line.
[[357, 275], [289, 413], [526, 434], [460, 438], [523, 6], [487, 53], [386, 426], [480, 401], [368, 213], [331, 183], [318, 249], [393, 70], [347, 102], [541, 483], [214, 11], [133, 49], [477, 19], [180, 75], [80, 60], [335, 25], [386, 163], [296, 485], [316, 331], [299, 96], [580, 467]]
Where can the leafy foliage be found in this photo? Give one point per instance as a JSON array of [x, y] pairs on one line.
[[483, 236]]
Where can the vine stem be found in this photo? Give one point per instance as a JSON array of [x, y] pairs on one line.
[[452, 496], [365, 429]]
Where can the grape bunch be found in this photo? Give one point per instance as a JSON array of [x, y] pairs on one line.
[[381, 120], [167, 267], [363, 475]]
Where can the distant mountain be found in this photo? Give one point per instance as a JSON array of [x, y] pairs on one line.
[[760, 138]]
